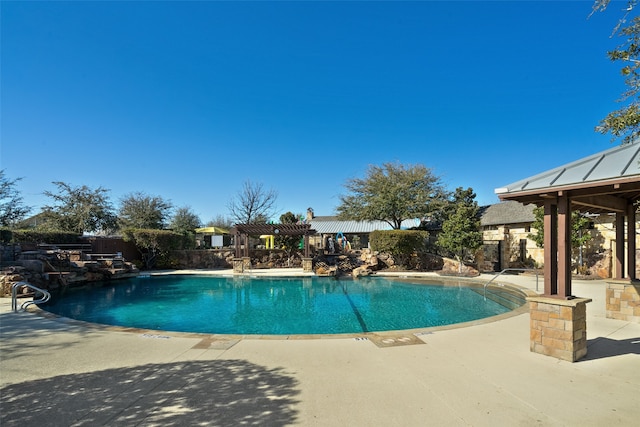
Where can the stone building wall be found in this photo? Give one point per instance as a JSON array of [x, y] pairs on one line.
[[597, 254]]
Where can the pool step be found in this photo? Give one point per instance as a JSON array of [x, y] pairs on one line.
[[504, 298]]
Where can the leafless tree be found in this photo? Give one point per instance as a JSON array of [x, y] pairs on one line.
[[253, 204]]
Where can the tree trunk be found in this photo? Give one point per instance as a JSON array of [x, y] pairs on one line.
[[459, 259]]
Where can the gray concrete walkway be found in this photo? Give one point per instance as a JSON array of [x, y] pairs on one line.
[[56, 372]]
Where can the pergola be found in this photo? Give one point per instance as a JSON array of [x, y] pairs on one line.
[[243, 231], [606, 182]]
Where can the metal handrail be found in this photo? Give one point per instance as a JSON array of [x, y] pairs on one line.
[[46, 296], [511, 269]]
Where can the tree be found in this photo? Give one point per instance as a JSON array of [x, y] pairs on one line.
[[253, 205], [12, 208], [220, 221], [392, 193], [290, 244], [79, 209], [579, 223], [461, 233], [155, 245], [185, 221], [625, 122], [139, 210]]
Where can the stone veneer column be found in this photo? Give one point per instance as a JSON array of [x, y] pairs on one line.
[[623, 300], [559, 327], [307, 265], [238, 265]]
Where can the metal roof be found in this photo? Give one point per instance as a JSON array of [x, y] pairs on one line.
[[604, 182], [332, 225], [612, 164]]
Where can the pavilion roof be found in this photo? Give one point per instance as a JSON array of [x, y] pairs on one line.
[[602, 182], [273, 229]]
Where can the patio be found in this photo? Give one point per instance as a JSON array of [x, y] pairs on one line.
[[60, 372]]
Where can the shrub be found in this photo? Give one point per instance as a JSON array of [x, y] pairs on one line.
[[401, 244], [155, 245], [36, 236]]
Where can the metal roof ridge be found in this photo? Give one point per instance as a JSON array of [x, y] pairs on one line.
[[564, 169], [622, 172], [590, 171]]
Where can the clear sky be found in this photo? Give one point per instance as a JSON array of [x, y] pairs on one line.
[[188, 100]]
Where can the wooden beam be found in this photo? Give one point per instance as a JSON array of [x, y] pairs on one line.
[[610, 203], [606, 186]]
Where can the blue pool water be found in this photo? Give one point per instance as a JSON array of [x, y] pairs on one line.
[[277, 306]]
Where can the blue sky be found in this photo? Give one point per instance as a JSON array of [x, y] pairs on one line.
[[188, 100]]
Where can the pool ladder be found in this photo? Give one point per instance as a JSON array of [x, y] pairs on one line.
[[509, 269], [46, 296]]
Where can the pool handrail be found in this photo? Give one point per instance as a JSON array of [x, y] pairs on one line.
[[510, 269], [46, 296]]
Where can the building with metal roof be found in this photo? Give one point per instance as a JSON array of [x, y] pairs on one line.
[[333, 225], [357, 232]]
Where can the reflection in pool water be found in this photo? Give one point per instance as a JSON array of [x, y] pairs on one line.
[[278, 306]]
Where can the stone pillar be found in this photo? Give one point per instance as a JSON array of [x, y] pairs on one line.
[[307, 265], [246, 263], [558, 327], [238, 265], [623, 300]]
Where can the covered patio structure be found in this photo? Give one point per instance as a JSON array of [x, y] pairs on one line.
[[211, 236], [243, 231], [606, 182]]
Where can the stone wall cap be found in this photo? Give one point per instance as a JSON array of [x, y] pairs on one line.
[[573, 302], [623, 282]]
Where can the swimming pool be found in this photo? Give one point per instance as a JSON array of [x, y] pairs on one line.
[[279, 306]]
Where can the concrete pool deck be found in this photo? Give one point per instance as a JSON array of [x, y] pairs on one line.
[[58, 372]]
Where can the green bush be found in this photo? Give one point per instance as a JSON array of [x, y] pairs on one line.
[[155, 245], [6, 235], [35, 236], [401, 244]]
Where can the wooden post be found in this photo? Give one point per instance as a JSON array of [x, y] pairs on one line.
[[619, 246], [564, 246], [238, 244], [631, 241], [307, 252], [550, 247]]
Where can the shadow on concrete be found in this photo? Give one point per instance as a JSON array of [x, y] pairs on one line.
[[601, 347], [14, 327], [212, 393]]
